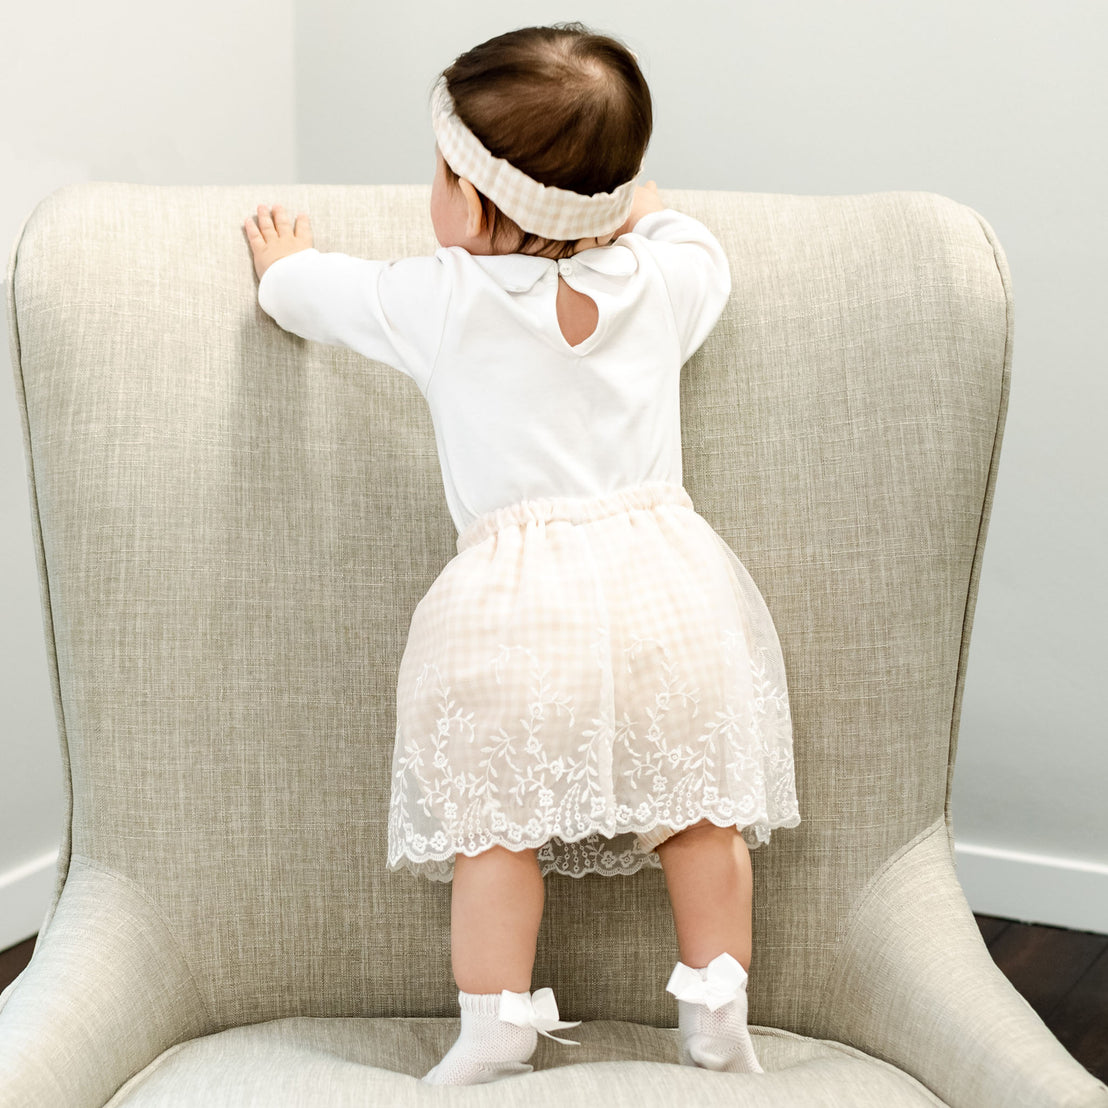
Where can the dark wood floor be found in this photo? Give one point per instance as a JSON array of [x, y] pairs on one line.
[[1062, 974]]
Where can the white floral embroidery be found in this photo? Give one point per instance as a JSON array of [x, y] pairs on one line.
[[520, 725], [733, 767]]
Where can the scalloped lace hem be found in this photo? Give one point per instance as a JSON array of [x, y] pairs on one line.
[[594, 853]]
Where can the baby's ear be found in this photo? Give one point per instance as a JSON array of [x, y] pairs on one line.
[[475, 210]]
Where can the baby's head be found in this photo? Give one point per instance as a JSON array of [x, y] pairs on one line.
[[566, 107]]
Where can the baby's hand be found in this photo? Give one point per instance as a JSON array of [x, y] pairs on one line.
[[272, 238]]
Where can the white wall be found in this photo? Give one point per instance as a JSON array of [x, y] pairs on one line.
[[996, 103], [117, 90]]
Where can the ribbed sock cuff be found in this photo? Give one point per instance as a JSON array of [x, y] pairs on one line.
[[486, 1004]]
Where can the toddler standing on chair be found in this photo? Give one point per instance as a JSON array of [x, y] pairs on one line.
[[593, 684]]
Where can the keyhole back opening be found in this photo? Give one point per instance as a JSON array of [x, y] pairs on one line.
[[578, 315]]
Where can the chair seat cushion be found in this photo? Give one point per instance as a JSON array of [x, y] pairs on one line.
[[304, 1062]]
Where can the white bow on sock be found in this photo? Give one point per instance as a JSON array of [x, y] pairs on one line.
[[538, 1009], [724, 979], [712, 1010], [498, 1034]]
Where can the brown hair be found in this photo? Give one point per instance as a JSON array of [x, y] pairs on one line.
[[568, 107]]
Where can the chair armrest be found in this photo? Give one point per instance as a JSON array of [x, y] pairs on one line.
[[106, 991], [914, 984]]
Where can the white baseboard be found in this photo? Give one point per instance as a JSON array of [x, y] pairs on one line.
[[25, 895], [1034, 888]]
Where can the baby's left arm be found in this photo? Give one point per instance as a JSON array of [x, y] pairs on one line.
[[274, 237], [390, 311]]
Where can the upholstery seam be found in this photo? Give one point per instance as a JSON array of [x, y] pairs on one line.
[[16, 348], [136, 1080], [986, 512], [868, 891], [161, 917], [852, 1051]]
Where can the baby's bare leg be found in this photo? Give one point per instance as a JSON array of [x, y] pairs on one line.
[[710, 884], [708, 875], [495, 912], [496, 908]]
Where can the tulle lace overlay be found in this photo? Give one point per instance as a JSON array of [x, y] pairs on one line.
[[585, 677]]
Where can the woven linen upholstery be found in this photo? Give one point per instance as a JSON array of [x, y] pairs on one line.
[[234, 527]]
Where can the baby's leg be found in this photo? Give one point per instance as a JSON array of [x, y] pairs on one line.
[[495, 913], [496, 909], [710, 884], [708, 875]]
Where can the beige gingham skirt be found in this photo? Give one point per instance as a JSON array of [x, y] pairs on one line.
[[587, 676]]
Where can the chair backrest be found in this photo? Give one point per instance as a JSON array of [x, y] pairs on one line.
[[235, 525]]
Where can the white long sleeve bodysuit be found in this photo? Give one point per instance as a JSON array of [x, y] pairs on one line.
[[519, 413]]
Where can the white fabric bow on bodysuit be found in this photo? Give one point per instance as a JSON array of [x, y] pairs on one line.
[[539, 1010], [724, 979]]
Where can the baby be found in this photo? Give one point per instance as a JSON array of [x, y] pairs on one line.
[[576, 690]]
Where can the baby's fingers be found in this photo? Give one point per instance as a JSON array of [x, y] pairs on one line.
[[281, 220], [265, 224], [253, 235], [303, 227]]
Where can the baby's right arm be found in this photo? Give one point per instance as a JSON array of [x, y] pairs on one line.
[[646, 201], [692, 263]]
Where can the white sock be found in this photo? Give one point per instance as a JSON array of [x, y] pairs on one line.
[[718, 1040], [487, 1048]]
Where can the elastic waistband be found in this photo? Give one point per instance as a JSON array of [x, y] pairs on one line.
[[573, 509]]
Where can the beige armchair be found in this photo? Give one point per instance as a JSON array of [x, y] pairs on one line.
[[233, 529]]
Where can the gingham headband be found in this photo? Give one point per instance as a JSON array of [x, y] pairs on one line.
[[538, 209]]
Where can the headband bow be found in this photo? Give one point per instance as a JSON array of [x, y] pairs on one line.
[[539, 209], [540, 1010]]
